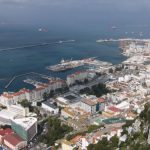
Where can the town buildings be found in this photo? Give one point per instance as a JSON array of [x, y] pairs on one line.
[[26, 128], [10, 140], [50, 107]]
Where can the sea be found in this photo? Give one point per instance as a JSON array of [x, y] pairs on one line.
[[19, 61]]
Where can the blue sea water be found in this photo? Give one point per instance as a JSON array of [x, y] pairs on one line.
[[20, 61]]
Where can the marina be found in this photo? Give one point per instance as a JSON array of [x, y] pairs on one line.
[[33, 82], [27, 81]]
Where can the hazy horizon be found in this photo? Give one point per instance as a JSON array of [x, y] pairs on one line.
[[75, 12]]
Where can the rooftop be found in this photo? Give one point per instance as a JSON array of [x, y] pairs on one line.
[[89, 102], [26, 123], [114, 120], [7, 114], [114, 109], [13, 139], [50, 104], [70, 97], [5, 131], [101, 100], [76, 139]]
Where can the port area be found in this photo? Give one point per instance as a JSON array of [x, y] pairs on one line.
[[70, 64], [121, 40], [29, 81]]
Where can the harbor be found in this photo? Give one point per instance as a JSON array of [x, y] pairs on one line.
[[65, 65], [91, 64], [27, 80], [123, 39]]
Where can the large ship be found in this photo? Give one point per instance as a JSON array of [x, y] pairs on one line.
[[65, 65]]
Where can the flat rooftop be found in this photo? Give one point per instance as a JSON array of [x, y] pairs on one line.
[[26, 123], [7, 114], [50, 104], [70, 97]]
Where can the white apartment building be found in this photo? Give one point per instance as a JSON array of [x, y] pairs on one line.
[[78, 76], [11, 98], [47, 106], [89, 105]]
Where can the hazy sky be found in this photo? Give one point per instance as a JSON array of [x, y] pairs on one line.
[[74, 11]]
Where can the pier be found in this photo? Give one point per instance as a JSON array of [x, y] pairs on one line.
[[14, 77]]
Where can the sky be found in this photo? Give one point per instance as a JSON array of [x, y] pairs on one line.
[[74, 12]]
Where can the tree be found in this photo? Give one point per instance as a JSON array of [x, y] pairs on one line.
[[114, 141], [97, 90], [86, 81], [91, 128], [110, 70], [45, 96], [101, 145], [25, 103], [56, 130]]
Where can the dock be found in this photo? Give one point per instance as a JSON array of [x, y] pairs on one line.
[[14, 77]]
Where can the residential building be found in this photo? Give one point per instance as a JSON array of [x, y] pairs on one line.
[[13, 142], [26, 128], [4, 132], [89, 105], [50, 107], [77, 76], [66, 145]]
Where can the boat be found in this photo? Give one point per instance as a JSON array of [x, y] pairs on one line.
[[65, 65], [114, 27]]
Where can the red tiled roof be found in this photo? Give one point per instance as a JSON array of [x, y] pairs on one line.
[[76, 139], [6, 131], [114, 109], [11, 95], [18, 93], [26, 90], [76, 73], [101, 100], [13, 139], [7, 96]]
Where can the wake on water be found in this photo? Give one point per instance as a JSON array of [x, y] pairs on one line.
[[36, 45]]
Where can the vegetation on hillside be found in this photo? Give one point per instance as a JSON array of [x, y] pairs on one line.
[[137, 139], [104, 144], [56, 130], [90, 129]]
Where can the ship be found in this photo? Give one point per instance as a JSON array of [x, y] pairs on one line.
[[114, 27], [65, 65]]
